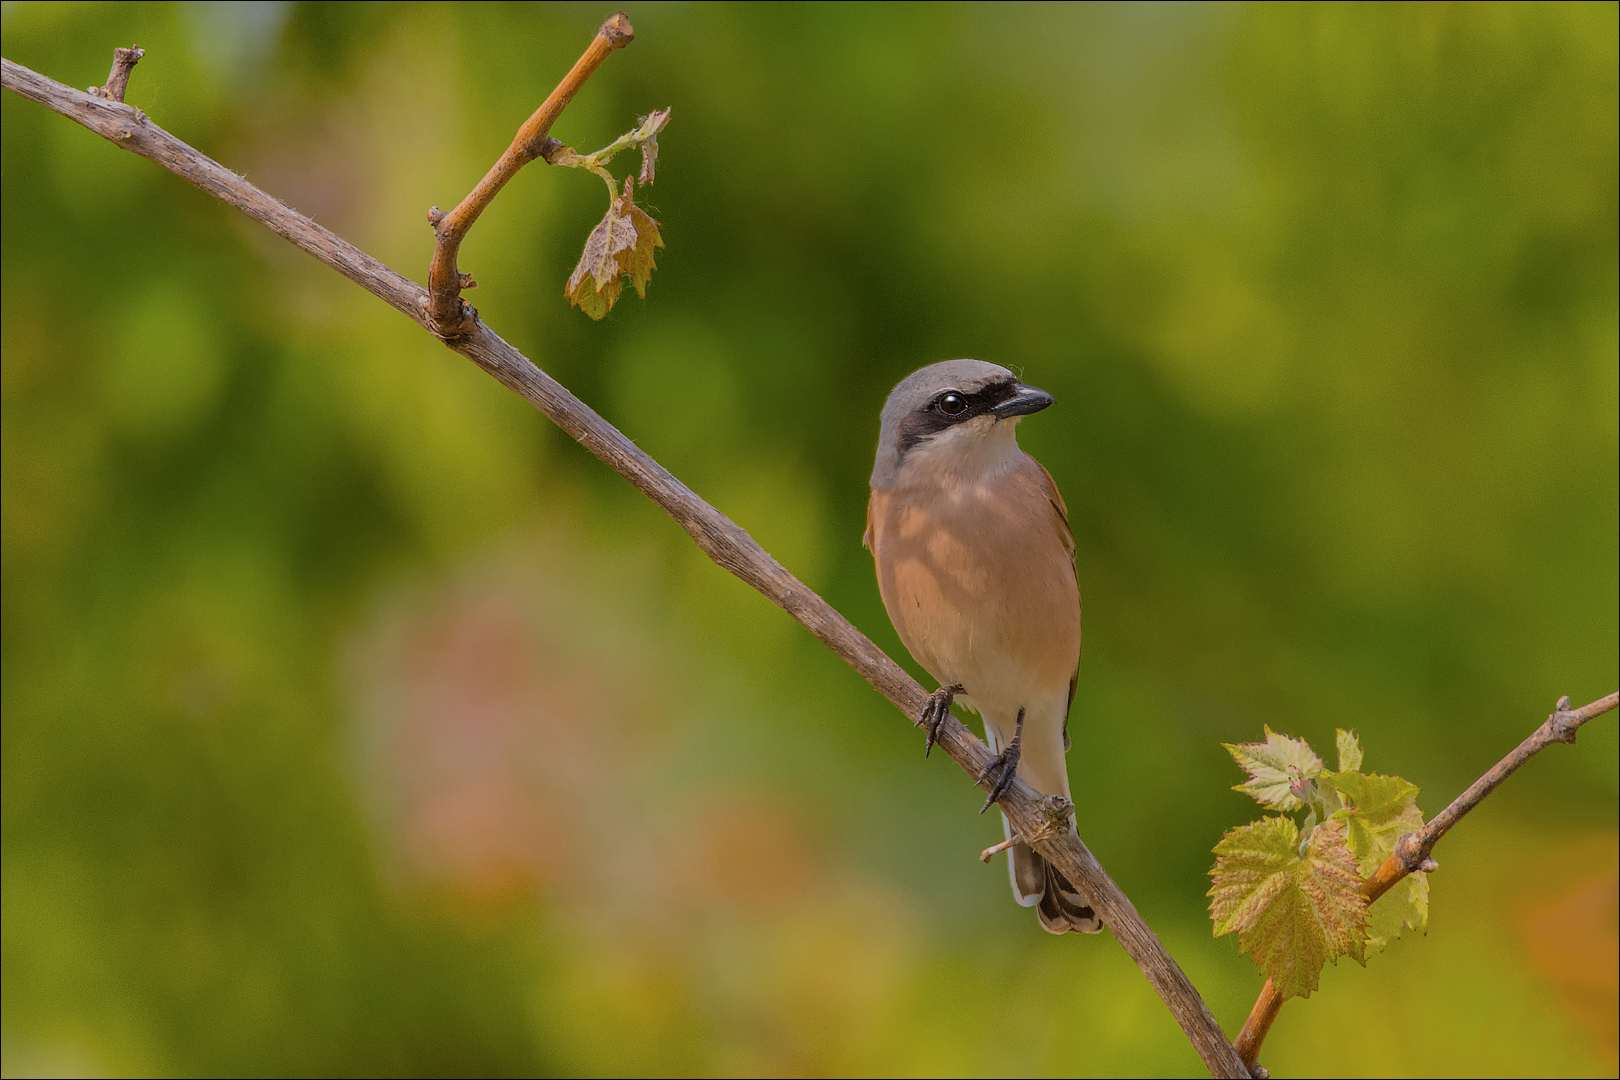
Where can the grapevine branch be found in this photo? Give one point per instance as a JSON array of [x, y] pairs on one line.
[[1031, 814], [1412, 851]]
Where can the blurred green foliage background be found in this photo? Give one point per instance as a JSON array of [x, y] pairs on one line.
[[356, 721]]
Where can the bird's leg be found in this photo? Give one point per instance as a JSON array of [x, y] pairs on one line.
[[1001, 771], [935, 712]]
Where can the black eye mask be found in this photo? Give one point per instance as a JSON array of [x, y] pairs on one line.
[[936, 416]]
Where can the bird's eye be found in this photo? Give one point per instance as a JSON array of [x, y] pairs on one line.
[[953, 404]]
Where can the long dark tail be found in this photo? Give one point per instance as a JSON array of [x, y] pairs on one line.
[[1062, 908]]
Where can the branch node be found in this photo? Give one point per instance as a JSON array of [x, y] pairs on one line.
[[1564, 722], [435, 215], [548, 148], [124, 61], [467, 281], [1409, 850], [1057, 810], [1428, 866]]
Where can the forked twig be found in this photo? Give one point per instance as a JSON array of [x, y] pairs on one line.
[[447, 316]]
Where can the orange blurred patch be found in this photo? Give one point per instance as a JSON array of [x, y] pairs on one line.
[[1573, 941], [472, 817], [492, 740], [746, 852]]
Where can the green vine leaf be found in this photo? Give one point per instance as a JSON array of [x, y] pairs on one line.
[[1250, 860], [1349, 750], [1405, 905], [1385, 809], [1297, 906], [1276, 768]]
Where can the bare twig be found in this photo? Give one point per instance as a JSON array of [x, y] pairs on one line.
[[448, 317], [995, 849], [1411, 853], [1412, 850], [124, 61], [722, 539]]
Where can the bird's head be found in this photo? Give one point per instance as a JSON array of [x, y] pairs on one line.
[[956, 417]]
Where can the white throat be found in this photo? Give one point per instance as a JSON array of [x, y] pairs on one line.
[[969, 453]]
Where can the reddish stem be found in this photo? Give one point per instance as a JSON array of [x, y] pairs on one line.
[[447, 316]]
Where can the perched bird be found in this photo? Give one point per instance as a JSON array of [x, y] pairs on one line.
[[975, 563]]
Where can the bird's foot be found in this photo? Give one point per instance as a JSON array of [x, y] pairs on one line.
[[1001, 771], [935, 712]]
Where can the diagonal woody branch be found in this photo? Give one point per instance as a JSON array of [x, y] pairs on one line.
[[1412, 851], [723, 540], [448, 317]]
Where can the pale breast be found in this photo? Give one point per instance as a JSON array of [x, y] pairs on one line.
[[979, 582]]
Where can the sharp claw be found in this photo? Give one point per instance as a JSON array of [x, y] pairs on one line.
[[934, 714], [1000, 773], [998, 789], [1003, 767], [1004, 785]]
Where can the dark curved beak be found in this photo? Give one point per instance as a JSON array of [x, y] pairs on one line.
[[1027, 400]]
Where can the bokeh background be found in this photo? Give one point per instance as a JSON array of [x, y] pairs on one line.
[[358, 722]]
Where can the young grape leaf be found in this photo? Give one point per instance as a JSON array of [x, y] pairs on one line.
[[637, 261], [1349, 750], [1295, 908], [1250, 867], [1386, 808], [1274, 766], [1407, 904], [621, 244], [647, 135], [595, 283]]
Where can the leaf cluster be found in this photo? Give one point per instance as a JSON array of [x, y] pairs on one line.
[[1293, 890], [622, 243]]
